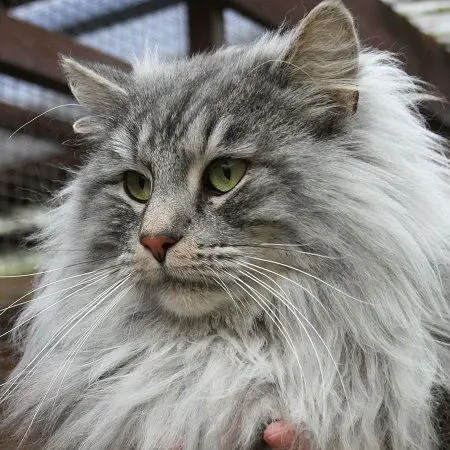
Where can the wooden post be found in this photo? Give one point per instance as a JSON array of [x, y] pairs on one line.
[[205, 20]]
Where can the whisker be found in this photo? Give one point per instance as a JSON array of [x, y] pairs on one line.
[[60, 330], [97, 278], [247, 264], [95, 324], [273, 317], [322, 341], [221, 285], [43, 114], [225, 287], [87, 283], [54, 282], [265, 245], [75, 351], [55, 270], [295, 311], [15, 305], [309, 275]]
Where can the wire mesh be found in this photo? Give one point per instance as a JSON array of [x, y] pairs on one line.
[[240, 29], [56, 15], [164, 31]]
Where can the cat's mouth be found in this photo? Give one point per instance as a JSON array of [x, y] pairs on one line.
[[186, 280], [188, 295], [176, 282]]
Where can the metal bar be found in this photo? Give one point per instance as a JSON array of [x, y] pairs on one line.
[[379, 26], [111, 18], [205, 25], [6, 4], [31, 53]]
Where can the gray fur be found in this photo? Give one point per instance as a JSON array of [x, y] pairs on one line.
[[352, 361]]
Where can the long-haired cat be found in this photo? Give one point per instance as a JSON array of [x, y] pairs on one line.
[[259, 233]]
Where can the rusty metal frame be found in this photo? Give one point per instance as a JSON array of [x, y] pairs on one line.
[[31, 53]]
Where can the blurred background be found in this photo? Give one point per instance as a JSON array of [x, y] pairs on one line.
[[35, 156]]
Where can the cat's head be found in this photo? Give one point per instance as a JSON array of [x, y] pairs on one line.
[[203, 169]]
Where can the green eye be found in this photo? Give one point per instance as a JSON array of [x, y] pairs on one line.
[[223, 175], [137, 186]]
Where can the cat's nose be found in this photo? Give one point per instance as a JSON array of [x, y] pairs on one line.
[[159, 245]]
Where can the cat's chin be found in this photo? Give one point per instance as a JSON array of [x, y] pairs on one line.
[[186, 300]]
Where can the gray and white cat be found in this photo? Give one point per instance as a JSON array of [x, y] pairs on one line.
[[259, 233]]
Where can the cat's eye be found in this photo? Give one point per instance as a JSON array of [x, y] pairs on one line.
[[222, 175], [137, 186]]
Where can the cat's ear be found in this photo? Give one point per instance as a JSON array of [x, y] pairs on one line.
[[100, 88], [325, 53]]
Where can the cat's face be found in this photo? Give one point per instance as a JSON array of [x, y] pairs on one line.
[[180, 191], [205, 170]]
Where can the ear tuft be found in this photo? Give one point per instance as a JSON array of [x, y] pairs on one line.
[[96, 86], [87, 125], [325, 53], [100, 88]]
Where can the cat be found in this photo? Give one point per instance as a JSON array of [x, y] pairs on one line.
[[258, 233]]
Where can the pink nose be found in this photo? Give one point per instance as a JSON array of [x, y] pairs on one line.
[[159, 245]]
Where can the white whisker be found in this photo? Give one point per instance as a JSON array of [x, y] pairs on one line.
[[75, 351], [273, 317], [89, 307], [43, 114], [295, 311], [307, 274], [40, 287], [292, 305], [32, 274], [96, 279], [292, 281], [226, 289], [268, 244]]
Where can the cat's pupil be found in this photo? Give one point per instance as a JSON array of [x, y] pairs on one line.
[[141, 182], [227, 171]]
